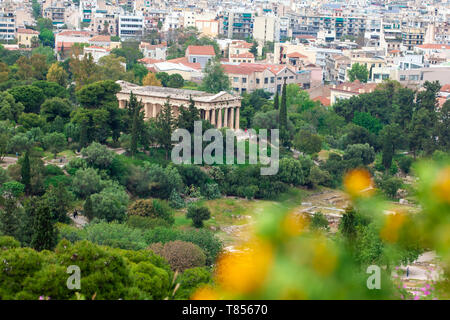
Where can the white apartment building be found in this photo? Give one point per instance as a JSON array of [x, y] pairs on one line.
[[131, 26]]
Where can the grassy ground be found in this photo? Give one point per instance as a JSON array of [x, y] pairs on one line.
[[233, 211]]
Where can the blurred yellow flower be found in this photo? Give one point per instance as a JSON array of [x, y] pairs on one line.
[[205, 293], [358, 182], [245, 270], [442, 186], [392, 226], [324, 258], [294, 224]]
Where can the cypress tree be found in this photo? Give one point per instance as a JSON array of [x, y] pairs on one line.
[[135, 109], [283, 108], [45, 234], [165, 125], [88, 210], [8, 217], [26, 173], [276, 101]]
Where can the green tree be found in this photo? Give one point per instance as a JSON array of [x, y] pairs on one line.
[[198, 214], [56, 107], [135, 110], [420, 131], [188, 116], [36, 7], [358, 72], [165, 124], [30, 96], [59, 201], [175, 81], [47, 38], [307, 142], [392, 138], [26, 173], [45, 234], [276, 101], [88, 209], [54, 142], [215, 79], [110, 204]]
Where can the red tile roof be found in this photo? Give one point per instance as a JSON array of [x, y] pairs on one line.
[[355, 87], [184, 61], [149, 60], [27, 31], [75, 33], [445, 88], [325, 101], [200, 50], [296, 55], [241, 44], [434, 46], [100, 38]]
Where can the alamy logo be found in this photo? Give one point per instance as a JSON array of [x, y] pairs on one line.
[[213, 152], [374, 281], [73, 282]]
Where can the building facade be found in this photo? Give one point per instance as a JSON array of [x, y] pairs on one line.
[[221, 109]]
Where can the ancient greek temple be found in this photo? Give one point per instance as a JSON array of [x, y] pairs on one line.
[[220, 109]]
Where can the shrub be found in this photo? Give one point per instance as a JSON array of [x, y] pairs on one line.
[[114, 235], [7, 242], [205, 239], [190, 280], [152, 208], [181, 255], [390, 185], [110, 204], [98, 155], [319, 221], [198, 215], [211, 191], [86, 182], [146, 223], [405, 163], [75, 164], [52, 170], [175, 200]]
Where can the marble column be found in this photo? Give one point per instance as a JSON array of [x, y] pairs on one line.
[[225, 117], [237, 118], [147, 111], [207, 115], [232, 118], [219, 118], [122, 104], [154, 110], [213, 117]]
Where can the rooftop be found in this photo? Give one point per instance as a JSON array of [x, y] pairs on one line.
[[200, 50], [183, 94]]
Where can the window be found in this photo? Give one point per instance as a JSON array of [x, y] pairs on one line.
[[236, 79], [194, 60], [257, 80], [266, 80], [291, 77], [272, 79], [402, 77], [244, 80]]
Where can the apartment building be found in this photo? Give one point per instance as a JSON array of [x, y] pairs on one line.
[[248, 77], [266, 28], [412, 37], [130, 26], [7, 25], [237, 24]]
